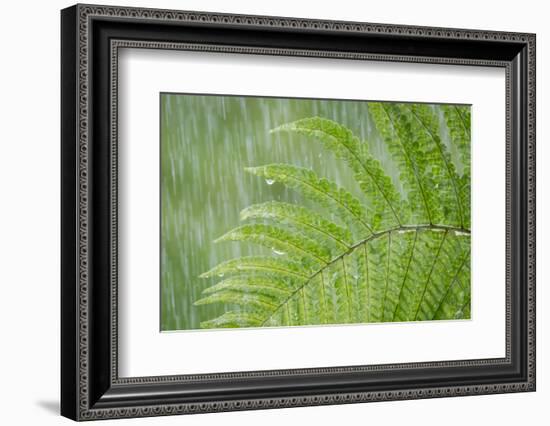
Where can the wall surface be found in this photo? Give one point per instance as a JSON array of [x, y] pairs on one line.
[[29, 212]]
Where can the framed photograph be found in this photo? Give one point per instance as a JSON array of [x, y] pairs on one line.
[[263, 212]]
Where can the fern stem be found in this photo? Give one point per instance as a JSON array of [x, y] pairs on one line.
[[347, 287], [453, 281], [288, 315], [405, 276], [430, 275], [462, 121], [387, 277], [324, 297], [303, 294], [368, 283], [466, 302]]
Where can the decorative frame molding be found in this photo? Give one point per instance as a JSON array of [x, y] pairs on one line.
[[91, 37]]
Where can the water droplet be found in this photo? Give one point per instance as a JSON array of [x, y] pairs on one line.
[[404, 231], [277, 252], [270, 181]]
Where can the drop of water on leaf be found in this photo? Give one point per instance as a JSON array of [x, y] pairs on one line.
[[404, 231], [269, 181], [277, 252]]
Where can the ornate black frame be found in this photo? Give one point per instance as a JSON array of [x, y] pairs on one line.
[[91, 37]]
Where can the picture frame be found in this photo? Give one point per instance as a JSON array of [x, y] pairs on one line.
[[91, 37]]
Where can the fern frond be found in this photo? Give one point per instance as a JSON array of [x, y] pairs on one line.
[[280, 241], [261, 285], [300, 218], [238, 297], [442, 170], [233, 320], [395, 125], [259, 264], [457, 119], [410, 262], [322, 191], [377, 186]]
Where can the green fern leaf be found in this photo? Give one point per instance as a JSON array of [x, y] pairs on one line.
[[233, 320], [280, 241], [392, 259], [326, 193], [261, 285], [301, 219], [457, 119], [442, 170], [378, 188], [259, 264], [246, 298]]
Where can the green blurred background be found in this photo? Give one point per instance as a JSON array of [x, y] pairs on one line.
[[206, 141]]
